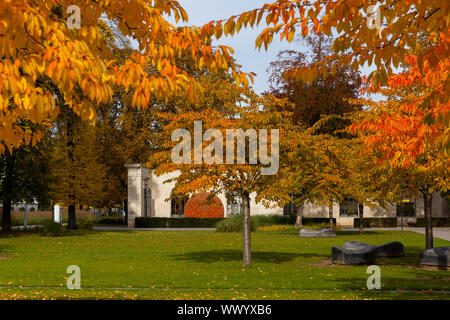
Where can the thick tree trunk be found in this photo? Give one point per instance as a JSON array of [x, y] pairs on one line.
[[299, 219], [247, 254], [72, 218], [330, 212], [8, 189], [361, 217], [427, 201]]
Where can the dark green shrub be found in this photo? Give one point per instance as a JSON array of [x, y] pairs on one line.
[[85, 225], [436, 222], [22, 209], [377, 223], [53, 229], [32, 209], [176, 222], [234, 224], [317, 221], [260, 220], [112, 221]]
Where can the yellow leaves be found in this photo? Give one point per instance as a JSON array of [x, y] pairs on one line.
[[229, 27], [79, 58], [290, 35], [218, 31], [3, 27]]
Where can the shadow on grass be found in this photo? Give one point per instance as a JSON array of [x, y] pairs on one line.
[[366, 232], [236, 256]]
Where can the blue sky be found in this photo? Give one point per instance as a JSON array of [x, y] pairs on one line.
[[252, 60], [202, 11]]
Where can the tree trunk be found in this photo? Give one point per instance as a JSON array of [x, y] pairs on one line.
[[72, 218], [361, 218], [8, 189], [247, 254], [6, 217], [427, 201], [125, 206], [299, 219], [330, 212]]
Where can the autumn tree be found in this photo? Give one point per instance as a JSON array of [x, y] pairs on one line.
[[327, 95], [79, 176], [382, 36], [215, 164], [407, 132], [37, 41], [24, 176]]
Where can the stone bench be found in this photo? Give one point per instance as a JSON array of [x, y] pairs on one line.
[[438, 257], [321, 233], [390, 250], [355, 252]]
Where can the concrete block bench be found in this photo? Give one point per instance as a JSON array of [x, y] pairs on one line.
[[390, 250], [321, 233], [438, 257], [355, 252]]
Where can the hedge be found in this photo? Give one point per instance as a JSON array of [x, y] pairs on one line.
[[313, 221], [234, 224], [176, 222], [111, 221], [436, 222], [376, 222]]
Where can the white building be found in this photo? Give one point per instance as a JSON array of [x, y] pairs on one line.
[[148, 197]]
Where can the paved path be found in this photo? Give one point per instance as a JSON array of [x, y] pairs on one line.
[[441, 233]]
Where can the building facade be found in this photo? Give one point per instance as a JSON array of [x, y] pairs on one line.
[[148, 196]]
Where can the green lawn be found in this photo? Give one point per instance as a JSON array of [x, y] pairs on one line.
[[207, 265]]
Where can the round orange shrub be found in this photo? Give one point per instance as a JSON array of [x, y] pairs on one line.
[[199, 206]]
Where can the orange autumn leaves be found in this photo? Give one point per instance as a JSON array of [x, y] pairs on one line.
[[357, 43], [36, 45], [416, 122]]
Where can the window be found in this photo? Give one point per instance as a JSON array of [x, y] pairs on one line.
[[234, 205], [291, 209], [177, 207], [406, 208], [348, 208]]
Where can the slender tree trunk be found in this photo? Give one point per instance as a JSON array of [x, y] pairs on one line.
[[361, 217], [299, 219], [8, 189], [125, 206], [6, 217], [427, 201], [330, 212], [247, 254], [72, 218]]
